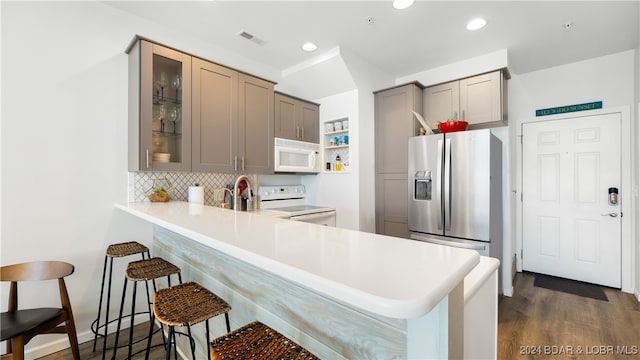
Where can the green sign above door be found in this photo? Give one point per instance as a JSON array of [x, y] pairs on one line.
[[569, 108]]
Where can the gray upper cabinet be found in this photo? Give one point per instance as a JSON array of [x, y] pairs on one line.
[[286, 125], [189, 114], [310, 122], [256, 126], [215, 117], [159, 108], [480, 100], [232, 121], [441, 102], [394, 125], [483, 99], [296, 119]]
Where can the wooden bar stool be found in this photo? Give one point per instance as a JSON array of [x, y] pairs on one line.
[[185, 305], [257, 341], [113, 251], [143, 270]]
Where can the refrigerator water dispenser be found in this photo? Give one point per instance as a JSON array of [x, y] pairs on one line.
[[422, 185]]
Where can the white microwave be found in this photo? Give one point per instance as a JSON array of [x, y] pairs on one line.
[[296, 156]]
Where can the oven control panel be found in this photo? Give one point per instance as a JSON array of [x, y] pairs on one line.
[[271, 192]]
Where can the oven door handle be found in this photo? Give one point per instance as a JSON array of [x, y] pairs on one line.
[[313, 216], [448, 243]]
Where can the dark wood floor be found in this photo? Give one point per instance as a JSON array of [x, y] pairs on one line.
[[535, 323], [538, 323], [140, 331]]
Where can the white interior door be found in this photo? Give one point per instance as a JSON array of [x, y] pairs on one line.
[[569, 227]]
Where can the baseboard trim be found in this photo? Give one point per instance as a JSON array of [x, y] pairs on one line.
[[637, 294], [63, 342], [508, 292], [56, 345]]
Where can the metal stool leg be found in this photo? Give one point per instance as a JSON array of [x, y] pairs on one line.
[[106, 320], [124, 293], [167, 311], [226, 319], [166, 345], [95, 335], [192, 343], [171, 339], [151, 323], [133, 313], [155, 289], [209, 339]]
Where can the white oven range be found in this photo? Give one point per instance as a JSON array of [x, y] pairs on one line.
[[288, 202]]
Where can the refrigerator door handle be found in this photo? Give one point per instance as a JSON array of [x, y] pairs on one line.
[[447, 184], [438, 189]]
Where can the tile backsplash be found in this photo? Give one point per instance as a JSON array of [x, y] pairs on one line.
[[141, 182]]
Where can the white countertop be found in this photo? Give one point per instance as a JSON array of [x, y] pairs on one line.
[[479, 275], [393, 277]]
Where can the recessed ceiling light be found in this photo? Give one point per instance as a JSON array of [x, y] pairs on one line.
[[476, 24], [402, 4], [309, 46]]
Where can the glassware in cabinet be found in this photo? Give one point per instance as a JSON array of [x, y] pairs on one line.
[[167, 121], [159, 85]]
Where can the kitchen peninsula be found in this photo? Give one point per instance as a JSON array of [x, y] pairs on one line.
[[340, 293]]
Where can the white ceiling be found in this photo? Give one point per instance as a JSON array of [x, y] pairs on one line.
[[400, 42]]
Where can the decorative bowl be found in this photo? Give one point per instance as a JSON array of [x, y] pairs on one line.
[[452, 126], [160, 190], [159, 197]]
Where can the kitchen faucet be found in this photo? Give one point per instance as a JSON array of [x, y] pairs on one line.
[[237, 198]]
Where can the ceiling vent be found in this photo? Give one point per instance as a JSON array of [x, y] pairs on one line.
[[251, 37]]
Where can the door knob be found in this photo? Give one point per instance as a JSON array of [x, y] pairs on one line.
[[612, 214]]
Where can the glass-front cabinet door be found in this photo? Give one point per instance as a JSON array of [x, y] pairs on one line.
[[164, 111]]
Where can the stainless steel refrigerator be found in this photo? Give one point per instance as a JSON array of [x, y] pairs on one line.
[[455, 190]]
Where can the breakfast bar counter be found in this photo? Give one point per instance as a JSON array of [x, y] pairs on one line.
[[340, 293]]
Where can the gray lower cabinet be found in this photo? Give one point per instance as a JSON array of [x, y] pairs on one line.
[[296, 119], [392, 205], [394, 125]]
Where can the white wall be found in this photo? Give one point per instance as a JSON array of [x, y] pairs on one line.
[[327, 72], [461, 69], [339, 189], [502, 133], [367, 79], [610, 79], [64, 139], [359, 203]]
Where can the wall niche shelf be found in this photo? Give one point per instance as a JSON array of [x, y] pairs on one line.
[[336, 143]]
